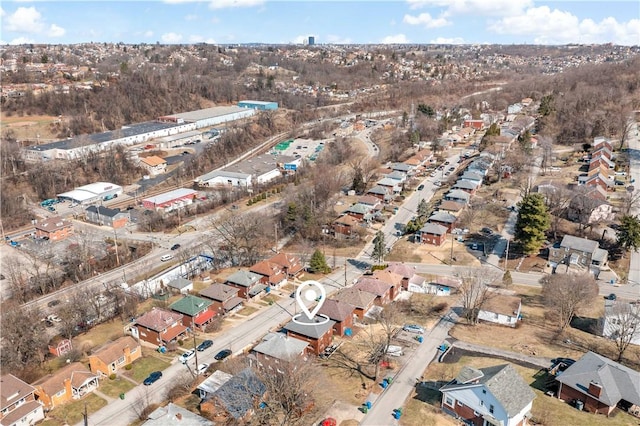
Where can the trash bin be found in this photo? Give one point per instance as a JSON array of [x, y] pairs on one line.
[[389, 380], [122, 395], [365, 409], [367, 404]]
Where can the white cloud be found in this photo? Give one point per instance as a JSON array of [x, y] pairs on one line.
[[171, 38], [191, 17], [24, 20], [56, 31], [215, 20], [475, 7], [426, 20], [2, 12], [336, 39], [447, 40], [395, 39], [224, 4], [148, 34], [555, 26]]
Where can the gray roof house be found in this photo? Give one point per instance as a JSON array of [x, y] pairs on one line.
[[600, 383], [401, 167], [380, 192], [458, 195], [390, 183], [472, 176], [310, 329], [442, 217], [248, 282], [173, 414], [213, 383], [281, 347], [238, 395], [180, 285], [466, 185], [396, 175], [577, 253], [494, 394], [102, 215]]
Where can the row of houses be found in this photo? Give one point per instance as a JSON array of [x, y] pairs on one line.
[[601, 171]]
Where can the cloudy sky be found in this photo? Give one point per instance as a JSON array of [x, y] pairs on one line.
[[330, 21]]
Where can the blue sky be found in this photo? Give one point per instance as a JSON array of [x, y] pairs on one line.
[[246, 21]]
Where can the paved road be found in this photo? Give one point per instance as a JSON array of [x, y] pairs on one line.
[[405, 380], [634, 172]]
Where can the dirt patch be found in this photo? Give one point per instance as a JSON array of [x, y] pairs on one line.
[[406, 251]]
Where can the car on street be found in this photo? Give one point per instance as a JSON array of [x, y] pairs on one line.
[[413, 328], [202, 368], [53, 303], [612, 296], [166, 257], [222, 354], [204, 345], [187, 356], [175, 247], [420, 187], [152, 378]]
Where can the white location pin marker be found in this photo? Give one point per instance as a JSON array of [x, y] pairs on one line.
[[307, 292]]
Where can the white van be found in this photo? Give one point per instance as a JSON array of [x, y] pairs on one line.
[[166, 257]]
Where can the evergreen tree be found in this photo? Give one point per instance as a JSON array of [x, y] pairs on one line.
[[358, 183], [378, 247], [423, 209], [629, 232], [533, 221], [506, 279], [318, 263]]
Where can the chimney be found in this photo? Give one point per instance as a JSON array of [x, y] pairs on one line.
[[595, 389], [178, 416]]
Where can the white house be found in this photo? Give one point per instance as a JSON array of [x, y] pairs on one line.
[[621, 318], [501, 309], [489, 396]]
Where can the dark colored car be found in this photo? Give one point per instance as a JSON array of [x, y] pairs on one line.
[[53, 303], [204, 345], [175, 247], [153, 377], [612, 296], [420, 187], [222, 354]]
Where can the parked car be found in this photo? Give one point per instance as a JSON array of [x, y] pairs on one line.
[[175, 247], [413, 328], [222, 354], [204, 345], [187, 356], [433, 174], [53, 303], [420, 187], [202, 368], [166, 257], [612, 296], [153, 377], [486, 231]]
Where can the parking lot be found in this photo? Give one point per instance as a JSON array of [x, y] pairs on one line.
[[301, 148]]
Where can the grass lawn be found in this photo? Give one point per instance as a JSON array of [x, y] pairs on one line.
[[417, 413], [144, 366], [247, 310], [114, 388], [71, 413]]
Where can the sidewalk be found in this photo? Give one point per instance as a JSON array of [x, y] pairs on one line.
[[515, 356]]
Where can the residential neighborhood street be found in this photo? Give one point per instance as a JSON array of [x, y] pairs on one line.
[[634, 173]]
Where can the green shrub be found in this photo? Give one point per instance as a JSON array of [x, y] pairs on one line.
[[180, 342], [112, 376], [128, 367]]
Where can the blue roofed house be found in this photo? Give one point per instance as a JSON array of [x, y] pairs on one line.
[[488, 396]]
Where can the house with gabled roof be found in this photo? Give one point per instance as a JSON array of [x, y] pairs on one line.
[[488, 396], [408, 274], [247, 282], [158, 326], [196, 312], [600, 384], [473, 176], [172, 414], [381, 289], [443, 218], [392, 185], [388, 276], [315, 332], [450, 206], [18, 405], [431, 233], [112, 356], [290, 264], [380, 192], [236, 399], [501, 309], [359, 211], [344, 227], [102, 215], [369, 200], [361, 300], [212, 383], [577, 253], [180, 285], [458, 196], [339, 312], [271, 274], [71, 382], [279, 347], [224, 297], [466, 186], [397, 176], [402, 167]]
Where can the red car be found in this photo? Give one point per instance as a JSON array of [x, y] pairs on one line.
[[329, 421]]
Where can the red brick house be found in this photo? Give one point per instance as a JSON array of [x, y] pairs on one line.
[[55, 228], [158, 327], [600, 384], [432, 233], [443, 218], [247, 282], [196, 312], [224, 297], [392, 278], [272, 274], [361, 300], [340, 312], [474, 124], [318, 336], [344, 226], [408, 274], [382, 290], [290, 264]]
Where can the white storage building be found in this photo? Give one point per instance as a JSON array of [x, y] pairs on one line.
[[209, 116], [92, 193]]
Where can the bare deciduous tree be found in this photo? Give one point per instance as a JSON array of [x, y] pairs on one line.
[[475, 291], [622, 325], [244, 237], [24, 339], [566, 294]]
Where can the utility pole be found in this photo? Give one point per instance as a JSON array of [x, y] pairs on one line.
[[345, 271], [194, 347], [451, 255], [115, 240], [506, 257], [85, 416], [275, 225]]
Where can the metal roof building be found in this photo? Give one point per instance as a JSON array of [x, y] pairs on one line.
[[209, 116], [92, 192]]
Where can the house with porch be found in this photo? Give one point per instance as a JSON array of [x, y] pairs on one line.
[[576, 253], [158, 327], [271, 274], [380, 192], [71, 382], [382, 290], [408, 274], [290, 264], [18, 405], [392, 185], [113, 356], [458, 196], [344, 227], [196, 312], [224, 297], [248, 283], [316, 333], [360, 212], [488, 396], [601, 385], [341, 313], [278, 347], [361, 300]]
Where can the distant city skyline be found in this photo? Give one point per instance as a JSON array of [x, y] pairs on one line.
[[329, 22]]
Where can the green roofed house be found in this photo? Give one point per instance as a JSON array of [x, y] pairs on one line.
[[196, 311]]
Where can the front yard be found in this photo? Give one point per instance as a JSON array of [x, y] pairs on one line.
[[115, 387], [71, 413], [144, 366]]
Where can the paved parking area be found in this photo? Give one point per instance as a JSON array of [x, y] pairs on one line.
[[305, 148]]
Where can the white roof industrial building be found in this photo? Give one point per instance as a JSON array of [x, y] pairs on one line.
[[92, 192], [210, 116]]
